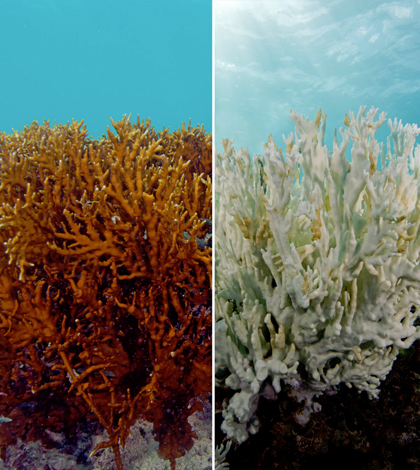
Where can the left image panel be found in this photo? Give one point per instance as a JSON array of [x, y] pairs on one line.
[[105, 235]]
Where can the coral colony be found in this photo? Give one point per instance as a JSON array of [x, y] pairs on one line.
[[317, 267], [105, 281]]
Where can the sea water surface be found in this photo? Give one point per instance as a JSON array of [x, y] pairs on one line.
[[274, 55]]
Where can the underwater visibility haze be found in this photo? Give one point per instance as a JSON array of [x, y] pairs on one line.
[[274, 55], [96, 59]]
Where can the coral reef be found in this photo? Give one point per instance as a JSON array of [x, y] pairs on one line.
[[105, 281], [349, 432], [74, 452], [317, 267]]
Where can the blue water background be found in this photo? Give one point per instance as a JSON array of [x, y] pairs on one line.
[[271, 56], [96, 59]]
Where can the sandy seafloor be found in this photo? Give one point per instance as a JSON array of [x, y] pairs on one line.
[[140, 452]]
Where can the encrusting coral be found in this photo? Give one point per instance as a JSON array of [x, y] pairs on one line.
[[105, 281], [317, 267]]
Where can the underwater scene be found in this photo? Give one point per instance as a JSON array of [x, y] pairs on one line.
[[317, 234], [106, 235]]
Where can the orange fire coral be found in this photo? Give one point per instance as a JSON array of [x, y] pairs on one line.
[[105, 280]]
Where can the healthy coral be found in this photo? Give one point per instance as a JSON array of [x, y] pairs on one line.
[[317, 268], [105, 280]]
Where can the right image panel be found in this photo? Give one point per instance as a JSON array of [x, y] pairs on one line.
[[317, 234]]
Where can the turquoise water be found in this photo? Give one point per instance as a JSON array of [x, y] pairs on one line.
[[271, 56], [96, 59]]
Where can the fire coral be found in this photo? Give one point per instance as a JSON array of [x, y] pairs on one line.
[[105, 281], [318, 266]]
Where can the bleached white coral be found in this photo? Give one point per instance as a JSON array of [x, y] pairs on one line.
[[317, 262], [220, 453]]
